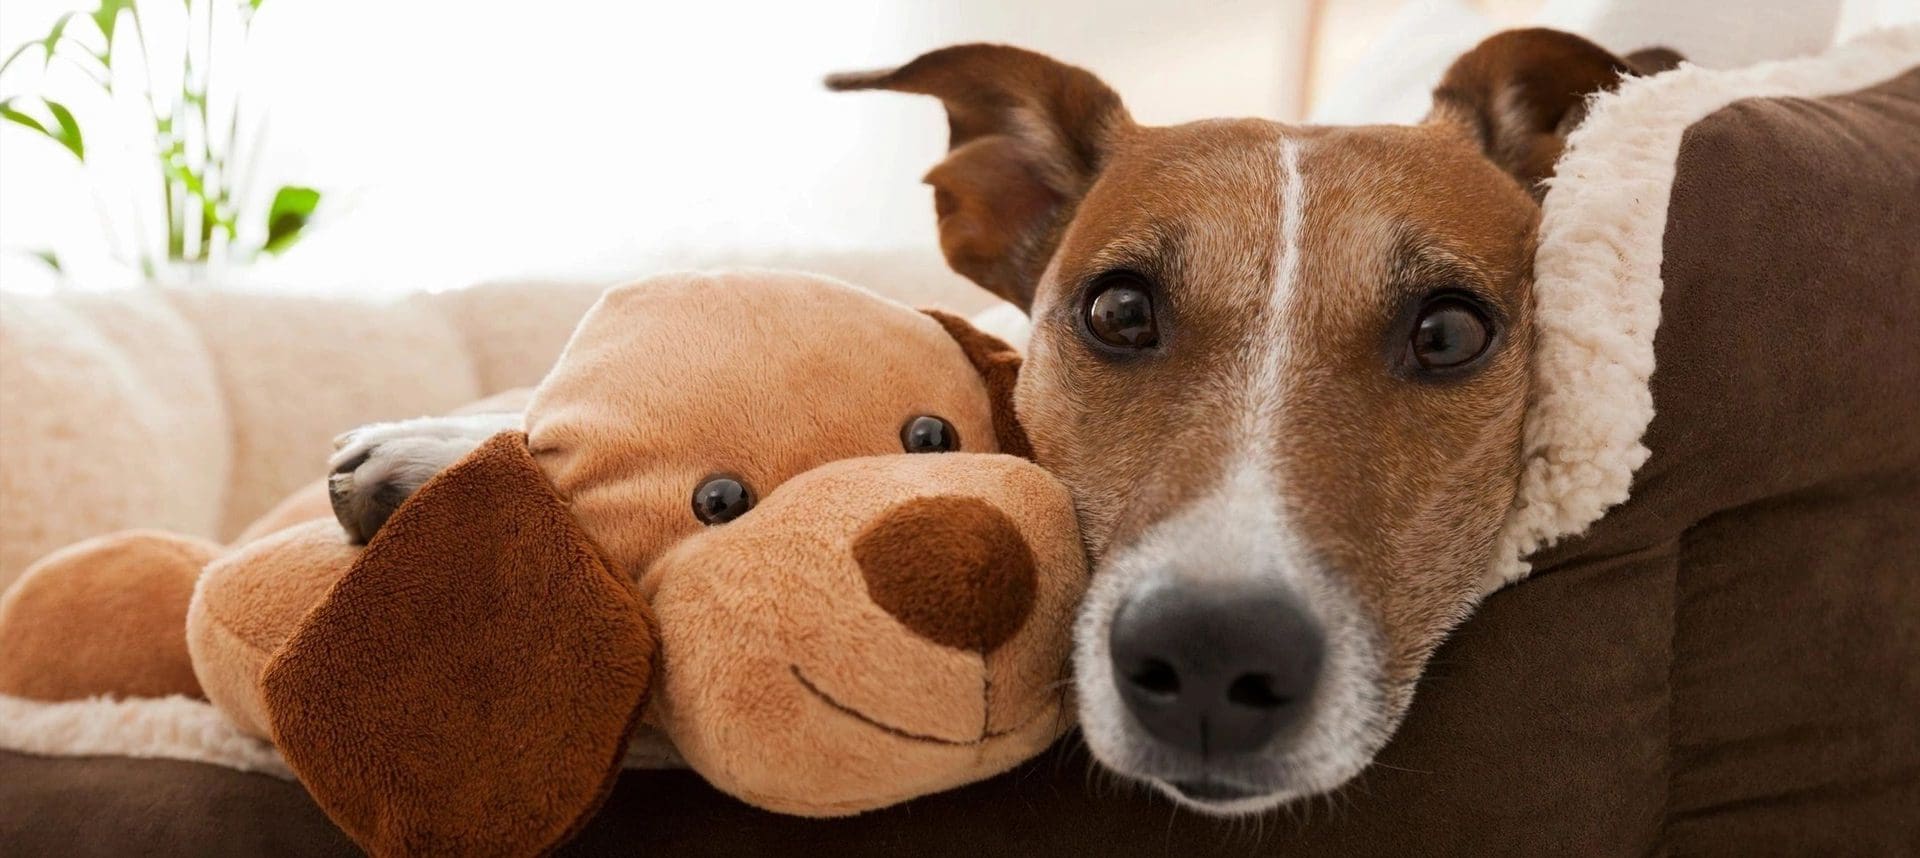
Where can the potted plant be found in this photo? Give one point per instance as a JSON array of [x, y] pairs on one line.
[[199, 192]]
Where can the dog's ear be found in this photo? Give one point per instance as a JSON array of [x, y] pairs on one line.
[[1520, 92], [471, 683], [999, 367], [1027, 135]]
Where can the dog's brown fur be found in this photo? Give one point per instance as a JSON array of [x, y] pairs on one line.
[[1281, 331]]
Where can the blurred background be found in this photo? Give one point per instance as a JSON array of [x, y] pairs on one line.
[[452, 141]]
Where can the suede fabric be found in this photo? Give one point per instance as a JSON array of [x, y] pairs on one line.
[[129, 594]]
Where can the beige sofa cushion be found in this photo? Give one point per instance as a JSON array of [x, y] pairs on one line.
[[111, 416], [196, 411]]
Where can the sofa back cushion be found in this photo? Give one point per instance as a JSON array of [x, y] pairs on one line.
[[196, 410]]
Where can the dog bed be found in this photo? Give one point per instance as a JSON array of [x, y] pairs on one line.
[[1727, 661]]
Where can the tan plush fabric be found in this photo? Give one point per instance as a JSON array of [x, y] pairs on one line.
[[103, 617], [833, 693], [250, 602], [758, 375]]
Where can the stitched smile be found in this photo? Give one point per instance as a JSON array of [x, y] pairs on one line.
[[884, 727]]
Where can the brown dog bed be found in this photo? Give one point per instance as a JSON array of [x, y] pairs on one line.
[[1728, 662]]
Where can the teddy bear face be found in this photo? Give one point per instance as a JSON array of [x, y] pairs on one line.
[[912, 642], [863, 626], [753, 377]]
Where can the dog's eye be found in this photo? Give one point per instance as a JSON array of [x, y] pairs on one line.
[[1449, 333], [1119, 312], [719, 500], [928, 434]]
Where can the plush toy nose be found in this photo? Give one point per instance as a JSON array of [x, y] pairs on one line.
[[955, 570]]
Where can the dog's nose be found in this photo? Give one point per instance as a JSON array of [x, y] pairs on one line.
[[954, 570], [1215, 670]]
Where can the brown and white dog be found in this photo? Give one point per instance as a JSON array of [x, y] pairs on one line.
[[1283, 370]]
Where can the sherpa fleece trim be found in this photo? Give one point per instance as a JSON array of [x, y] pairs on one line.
[[181, 728], [1597, 279], [172, 728]]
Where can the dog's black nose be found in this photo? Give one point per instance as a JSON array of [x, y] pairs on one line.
[[1215, 670]]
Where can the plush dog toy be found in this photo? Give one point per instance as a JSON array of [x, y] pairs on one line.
[[709, 528]]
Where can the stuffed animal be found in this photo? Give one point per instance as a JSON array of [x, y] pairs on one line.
[[708, 529]]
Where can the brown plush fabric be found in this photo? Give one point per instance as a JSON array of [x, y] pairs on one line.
[[999, 366], [480, 631], [955, 570], [129, 591]]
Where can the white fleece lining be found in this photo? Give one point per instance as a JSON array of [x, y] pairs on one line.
[[172, 728], [182, 728], [1597, 279]]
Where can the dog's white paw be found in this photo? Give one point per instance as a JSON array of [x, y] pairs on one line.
[[376, 468]]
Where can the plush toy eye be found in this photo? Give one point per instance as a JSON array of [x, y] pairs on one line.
[[1449, 333], [1119, 312], [719, 500], [929, 434]]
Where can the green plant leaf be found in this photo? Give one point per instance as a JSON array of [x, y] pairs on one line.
[[17, 52], [106, 16], [65, 132], [59, 29], [69, 133], [48, 258], [45, 45], [8, 111], [292, 209]]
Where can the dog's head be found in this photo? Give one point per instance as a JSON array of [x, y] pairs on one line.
[[1283, 370]]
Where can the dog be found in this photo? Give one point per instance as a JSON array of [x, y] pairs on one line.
[[1282, 370]]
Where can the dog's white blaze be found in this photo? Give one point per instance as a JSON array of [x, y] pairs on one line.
[[1270, 351]]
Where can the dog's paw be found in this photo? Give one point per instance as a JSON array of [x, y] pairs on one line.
[[374, 469]]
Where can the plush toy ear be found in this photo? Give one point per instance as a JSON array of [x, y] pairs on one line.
[[1027, 135], [470, 685], [999, 366], [1518, 93]]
